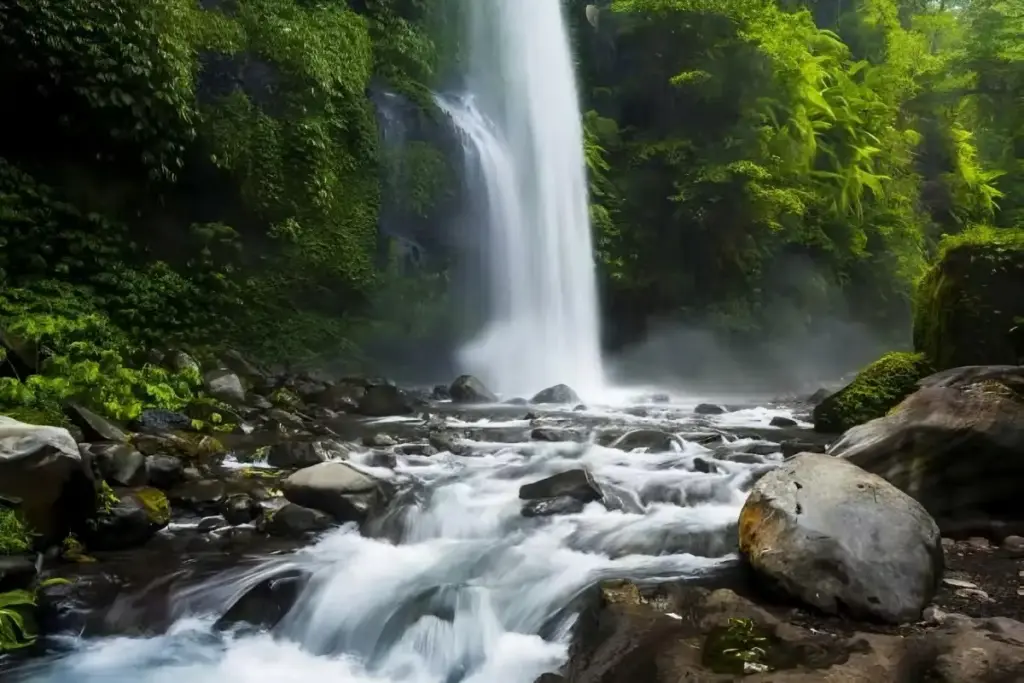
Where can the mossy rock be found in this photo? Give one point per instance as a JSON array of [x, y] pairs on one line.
[[14, 537], [876, 390], [155, 503], [969, 306]]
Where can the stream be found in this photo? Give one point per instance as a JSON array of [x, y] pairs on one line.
[[453, 584]]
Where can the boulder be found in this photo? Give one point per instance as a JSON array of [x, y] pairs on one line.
[[266, 603], [94, 427], [296, 454], [441, 392], [240, 508], [203, 496], [343, 396], [293, 520], [956, 445], [468, 389], [876, 389], [130, 522], [164, 471], [120, 464], [969, 303], [560, 393], [158, 421], [338, 489], [654, 440], [708, 409], [575, 484], [782, 421], [382, 400], [224, 385], [42, 467], [671, 633], [843, 540]]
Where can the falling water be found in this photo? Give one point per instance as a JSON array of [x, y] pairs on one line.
[[521, 127]]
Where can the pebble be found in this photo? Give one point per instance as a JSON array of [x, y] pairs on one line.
[[959, 583], [1014, 545], [932, 614], [979, 543], [973, 593]]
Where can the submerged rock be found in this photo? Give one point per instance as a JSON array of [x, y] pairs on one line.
[[654, 440], [841, 539], [266, 603], [468, 389], [560, 393], [559, 505], [576, 484], [336, 488], [955, 445]]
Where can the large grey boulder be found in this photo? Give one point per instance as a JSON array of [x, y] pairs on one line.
[[841, 539], [956, 445], [338, 489], [41, 466], [469, 389], [560, 393], [225, 385]]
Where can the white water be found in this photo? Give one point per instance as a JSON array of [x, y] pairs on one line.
[[470, 591], [521, 127]]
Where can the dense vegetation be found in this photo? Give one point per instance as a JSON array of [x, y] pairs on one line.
[[761, 165], [212, 174]]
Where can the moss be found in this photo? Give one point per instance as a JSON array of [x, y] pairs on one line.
[[155, 503], [967, 304], [876, 389], [14, 537]]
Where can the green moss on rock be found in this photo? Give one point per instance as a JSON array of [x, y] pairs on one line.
[[18, 626], [155, 504], [969, 303], [877, 389]]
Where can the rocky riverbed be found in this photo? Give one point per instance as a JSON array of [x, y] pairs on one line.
[[378, 535]]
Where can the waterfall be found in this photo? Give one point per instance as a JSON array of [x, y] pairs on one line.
[[523, 139]]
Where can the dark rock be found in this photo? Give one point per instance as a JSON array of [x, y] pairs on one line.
[[211, 523], [545, 507], [293, 520], [517, 401], [120, 464], [424, 449], [130, 522], [579, 408], [17, 572], [704, 466], [382, 400], [204, 496], [576, 484], [675, 633], [239, 508], [554, 435], [816, 526], [224, 385], [43, 468], [446, 441], [180, 362], [955, 445], [654, 440], [266, 603], [158, 421], [560, 393], [780, 421], [22, 357], [283, 418], [260, 403], [337, 489], [296, 454], [708, 409], [343, 397], [818, 396], [382, 459], [164, 471], [441, 392], [93, 426], [762, 448], [245, 369], [793, 446], [468, 389]]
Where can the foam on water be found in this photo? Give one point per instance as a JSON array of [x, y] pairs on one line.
[[461, 588]]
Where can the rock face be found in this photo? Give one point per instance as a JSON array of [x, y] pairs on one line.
[[675, 633], [876, 390], [336, 488], [969, 302], [841, 539], [560, 393], [42, 467], [468, 389], [956, 445]]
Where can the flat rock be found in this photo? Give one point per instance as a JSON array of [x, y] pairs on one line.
[[336, 488], [576, 484], [841, 539]]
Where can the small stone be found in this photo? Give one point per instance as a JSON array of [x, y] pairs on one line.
[[958, 583], [973, 594], [933, 615], [979, 543], [1014, 544]]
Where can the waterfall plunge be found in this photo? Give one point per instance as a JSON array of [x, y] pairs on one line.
[[523, 138]]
